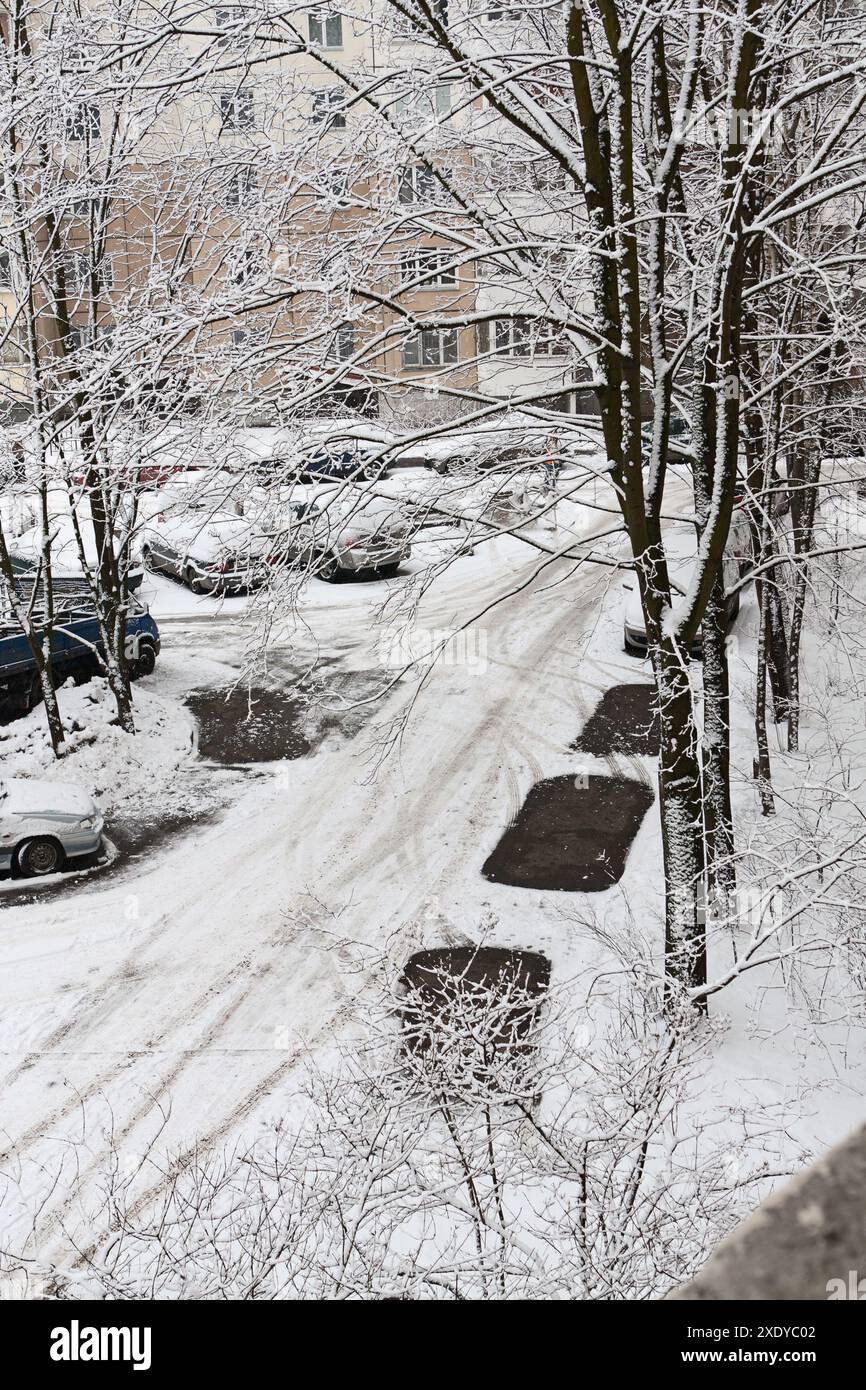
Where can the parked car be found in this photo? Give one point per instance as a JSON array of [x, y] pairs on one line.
[[341, 461], [339, 533], [212, 551], [740, 535], [679, 436], [25, 552], [681, 549], [76, 647], [44, 824], [357, 533]]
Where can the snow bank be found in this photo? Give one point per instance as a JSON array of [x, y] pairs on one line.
[[116, 768]]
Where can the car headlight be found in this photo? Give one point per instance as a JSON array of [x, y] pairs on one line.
[[88, 823]]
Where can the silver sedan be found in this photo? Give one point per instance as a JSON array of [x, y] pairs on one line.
[[44, 824]]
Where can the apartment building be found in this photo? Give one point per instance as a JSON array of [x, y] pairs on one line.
[[294, 205]]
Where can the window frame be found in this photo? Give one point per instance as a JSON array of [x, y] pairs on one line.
[[237, 110], [326, 111], [324, 21], [238, 13], [410, 179], [345, 342], [425, 263], [417, 345], [437, 105], [82, 122], [525, 338]]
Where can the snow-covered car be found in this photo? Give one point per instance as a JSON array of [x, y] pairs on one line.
[[212, 551], [25, 552], [44, 824], [681, 549], [342, 532], [740, 538]]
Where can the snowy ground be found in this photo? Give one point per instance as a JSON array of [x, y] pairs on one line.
[[187, 988]]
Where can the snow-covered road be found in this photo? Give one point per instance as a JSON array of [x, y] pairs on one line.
[[197, 983]]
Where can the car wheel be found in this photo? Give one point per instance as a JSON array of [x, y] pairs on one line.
[[144, 663], [192, 581], [39, 857], [388, 571], [32, 695], [330, 569]]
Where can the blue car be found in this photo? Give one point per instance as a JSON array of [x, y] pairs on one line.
[[76, 647], [335, 463]]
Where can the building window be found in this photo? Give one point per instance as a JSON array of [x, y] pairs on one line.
[[432, 267], [236, 109], [425, 105], [241, 188], [335, 185], [11, 344], [229, 16], [329, 107], [245, 266], [82, 122], [244, 338], [524, 337], [326, 29], [417, 184], [344, 342], [74, 339], [5, 271], [433, 347], [77, 271]]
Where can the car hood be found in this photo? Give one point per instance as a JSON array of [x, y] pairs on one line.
[[680, 573], [65, 553], [28, 796]]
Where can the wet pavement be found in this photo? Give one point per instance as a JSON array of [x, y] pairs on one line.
[[571, 835], [490, 967], [491, 992], [625, 720], [249, 725], [263, 724]]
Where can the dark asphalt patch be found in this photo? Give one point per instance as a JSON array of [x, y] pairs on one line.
[[259, 724], [625, 720], [249, 724], [571, 835], [488, 966], [484, 999]]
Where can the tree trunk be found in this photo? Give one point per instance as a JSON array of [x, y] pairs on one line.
[[716, 749], [762, 763], [681, 821]]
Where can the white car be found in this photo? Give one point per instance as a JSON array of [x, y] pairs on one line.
[[212, 550], [340, 531], [43, 824], [25, 552], [681, 549]]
